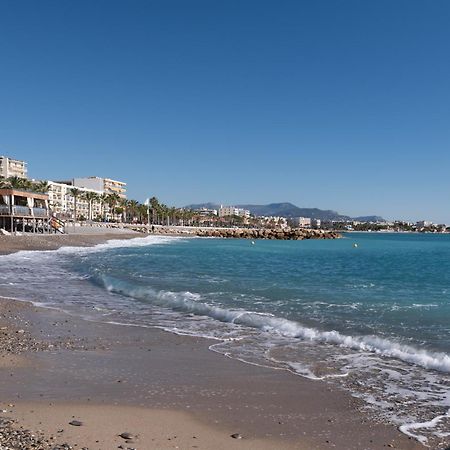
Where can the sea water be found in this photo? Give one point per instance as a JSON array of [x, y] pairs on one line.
[[369, 313]]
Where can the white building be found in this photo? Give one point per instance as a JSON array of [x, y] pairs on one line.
[[316, 223], [106, 185], [10, 167], [273, 221], [302, 222], [226, 211], [206, 212], [62, 202], [424, 224]]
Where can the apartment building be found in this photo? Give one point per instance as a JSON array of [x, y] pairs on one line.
[[106, 185], [302, 222], [225, 211], [10, 167], [62, 201]]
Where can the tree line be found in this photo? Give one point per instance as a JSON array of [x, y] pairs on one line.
[[112, 206]]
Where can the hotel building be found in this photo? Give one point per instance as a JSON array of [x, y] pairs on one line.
[[62, 201], [225, 211], [302, 222], [106, 185], [10, 167]]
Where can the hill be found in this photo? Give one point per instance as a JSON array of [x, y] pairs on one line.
[[290, 210]]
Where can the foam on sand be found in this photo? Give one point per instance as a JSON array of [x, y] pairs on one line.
[[188, 302], [108, 245]]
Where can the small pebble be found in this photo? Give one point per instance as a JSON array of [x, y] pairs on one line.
[[76, 423], [126, 435]]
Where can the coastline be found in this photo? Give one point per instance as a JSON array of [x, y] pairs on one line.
[[37, 242], [118, 378]]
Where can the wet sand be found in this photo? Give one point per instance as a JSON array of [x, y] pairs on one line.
[[10, 244], [164, 389]]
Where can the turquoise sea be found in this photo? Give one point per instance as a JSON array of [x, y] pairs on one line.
[[369, 313]]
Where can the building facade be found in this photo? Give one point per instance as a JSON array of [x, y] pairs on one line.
[[226, 211], [316, 223], [23, 211], [62, 202], [10, 167], [303, 222], [106, 185]]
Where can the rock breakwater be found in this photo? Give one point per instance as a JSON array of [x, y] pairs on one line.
[[287, 234], [243, 233]]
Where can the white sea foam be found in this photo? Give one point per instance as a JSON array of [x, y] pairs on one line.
[[193, 303], [410, 427], [108, 245]]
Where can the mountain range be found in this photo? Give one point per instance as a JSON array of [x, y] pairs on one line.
[[290, 210]]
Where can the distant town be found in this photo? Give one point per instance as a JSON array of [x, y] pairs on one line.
[[30, 205]]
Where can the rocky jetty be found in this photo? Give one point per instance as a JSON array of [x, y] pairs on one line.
[[243, 233], [264, 233]]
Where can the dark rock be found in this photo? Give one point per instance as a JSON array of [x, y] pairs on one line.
[[76, 423], [126, 435]]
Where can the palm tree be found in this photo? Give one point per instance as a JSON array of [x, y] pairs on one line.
[[75, 194], [165, 213], [90, 197], [123, 203], [41, 186], [103, 201], [133, 208], [112, 200], [154, 203], [18, 183], [142, 211]]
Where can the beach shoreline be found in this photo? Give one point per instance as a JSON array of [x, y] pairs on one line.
[[119, 379]]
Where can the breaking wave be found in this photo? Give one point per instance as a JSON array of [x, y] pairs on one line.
[[192, 303]]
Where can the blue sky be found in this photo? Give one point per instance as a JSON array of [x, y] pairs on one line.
[[339, 105]]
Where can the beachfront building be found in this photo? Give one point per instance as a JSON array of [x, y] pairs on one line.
[[10, 167], [273, 222], [24, 211], [62, 202], [302, 222], [424, 224], [316, 223], [206, 212], [106, 185], [227, 211]]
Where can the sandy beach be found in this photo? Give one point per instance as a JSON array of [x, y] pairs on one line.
[[71, 383]]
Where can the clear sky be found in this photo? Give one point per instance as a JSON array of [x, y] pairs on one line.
[[333, 104]]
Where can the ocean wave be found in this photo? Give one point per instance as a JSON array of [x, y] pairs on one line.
[[414, 306], [192, 303]]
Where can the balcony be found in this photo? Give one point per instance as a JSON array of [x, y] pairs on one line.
[[22, 211], [4, 210], [40, 212]]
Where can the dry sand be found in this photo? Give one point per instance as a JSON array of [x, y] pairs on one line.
[[162, 388]]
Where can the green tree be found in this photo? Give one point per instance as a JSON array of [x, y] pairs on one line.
[[103, 199], [18, 183], [41, 186], [75, 193], [154, 206], [133, 209], [112, 200], [90, 197]]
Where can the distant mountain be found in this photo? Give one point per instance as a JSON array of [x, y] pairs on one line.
[[290, 210], [369, 219], [203, 205]]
